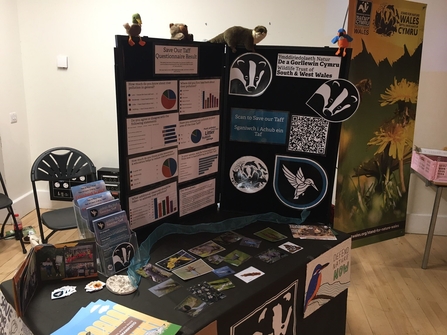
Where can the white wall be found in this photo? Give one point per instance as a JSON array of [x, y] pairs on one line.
[[76, 107]]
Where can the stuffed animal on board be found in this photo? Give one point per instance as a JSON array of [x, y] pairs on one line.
[[343, 41], [237, 35], [134, 30], [179, 31]]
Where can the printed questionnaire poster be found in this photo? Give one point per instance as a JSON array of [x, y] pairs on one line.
[[197, 197], [151, 133], [171, 59], [198, 96], [152, 168], [152, 205], [198, 163], [198, 132], [151, 96]]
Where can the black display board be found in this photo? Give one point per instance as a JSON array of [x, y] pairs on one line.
[[281, 135], [169, 103], [263, 139]]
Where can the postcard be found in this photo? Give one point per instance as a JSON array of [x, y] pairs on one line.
[[221, 284], [215, 259], [165, 287], [206, 292], [236, 257], [155, 273], [270, 234], [249, 274], [290, 247], [206, 249], [176, 260], [272, 255], [228, 238], [191, 305], [250, 242], [223, 271], [312, 232], [192, 270]]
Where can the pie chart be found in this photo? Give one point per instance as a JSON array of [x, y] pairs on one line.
[[169, 167], [168, 99], [196, 136]]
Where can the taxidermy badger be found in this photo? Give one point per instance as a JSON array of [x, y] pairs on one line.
[[237, 35]]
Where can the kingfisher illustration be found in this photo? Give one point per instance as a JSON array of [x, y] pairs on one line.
[[343, 41], [298, 182], [314, 284]]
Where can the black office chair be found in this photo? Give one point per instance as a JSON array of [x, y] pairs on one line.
[[6, 202], [59, 164]]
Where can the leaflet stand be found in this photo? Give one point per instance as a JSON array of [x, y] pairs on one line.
[[83, 229], [116, 258]]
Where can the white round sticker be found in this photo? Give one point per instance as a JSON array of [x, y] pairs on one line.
[[249, 174]]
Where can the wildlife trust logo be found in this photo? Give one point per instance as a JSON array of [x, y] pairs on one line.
[[363, 13], [250, 75], [386, 20], [299, 182]]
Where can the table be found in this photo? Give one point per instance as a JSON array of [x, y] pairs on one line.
[[45, 315], [439, 186]]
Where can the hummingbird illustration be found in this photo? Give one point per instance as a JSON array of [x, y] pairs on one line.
[[298, 182]]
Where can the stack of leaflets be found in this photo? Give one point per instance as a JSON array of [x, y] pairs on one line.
[[47, 262], [108, 317], [99, 215]]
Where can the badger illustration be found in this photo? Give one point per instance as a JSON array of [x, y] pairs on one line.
[[333, 98], [250, 74]]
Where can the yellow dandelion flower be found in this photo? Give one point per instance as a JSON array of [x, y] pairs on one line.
[[397, 136], [405, 91]]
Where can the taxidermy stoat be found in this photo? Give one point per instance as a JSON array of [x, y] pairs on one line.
[[237, 35]]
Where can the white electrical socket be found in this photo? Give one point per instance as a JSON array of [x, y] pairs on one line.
[[13, 116]]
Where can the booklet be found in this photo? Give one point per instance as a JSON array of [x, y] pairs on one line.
[[48, 262]]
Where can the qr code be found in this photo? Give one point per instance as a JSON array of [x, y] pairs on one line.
[[308, 134]]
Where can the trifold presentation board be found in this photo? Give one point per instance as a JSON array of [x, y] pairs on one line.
[[254, 132]]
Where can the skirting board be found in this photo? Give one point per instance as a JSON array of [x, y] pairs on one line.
[[419, 223]]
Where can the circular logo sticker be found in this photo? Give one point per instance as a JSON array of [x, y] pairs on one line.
[[249, 174], [250, 75]]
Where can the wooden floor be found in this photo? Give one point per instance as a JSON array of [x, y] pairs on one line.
[[389, 294]]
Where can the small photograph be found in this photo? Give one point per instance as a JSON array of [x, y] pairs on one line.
[[236, 257], [228, 238], [193, 270], [165, 287], [206, 249], [206, 292], [158, 275], [176, 260], [250, 242], [52, 264], [221, 284], [312, 232], [223, 271], [191, 306], [249, 274], [86, 269], [290, 247], [272, 255], [215, 259], [270, 234]]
